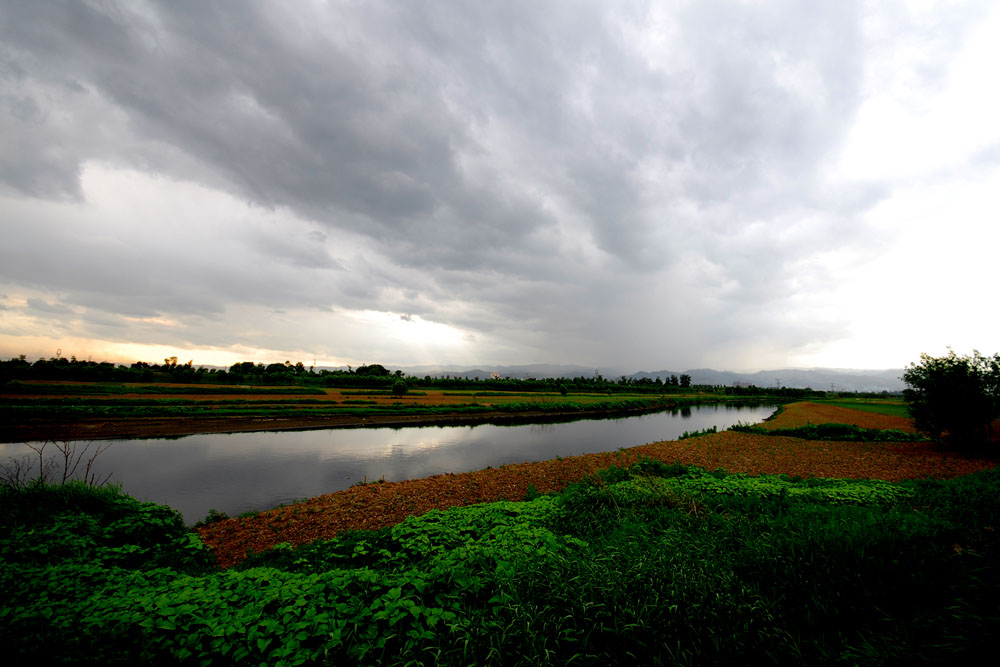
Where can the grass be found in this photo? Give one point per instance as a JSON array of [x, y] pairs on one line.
[[893, 408], [827, 431], [14, 408], [648, 564]]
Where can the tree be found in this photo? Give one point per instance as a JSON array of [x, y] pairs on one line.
[[954, 395], [377, 370], [399, 388], [685, 380]]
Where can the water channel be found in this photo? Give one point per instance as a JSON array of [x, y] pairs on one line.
[[239, 472]]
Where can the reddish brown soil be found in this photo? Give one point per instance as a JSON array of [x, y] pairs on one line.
[[805, 413], [377, 505]]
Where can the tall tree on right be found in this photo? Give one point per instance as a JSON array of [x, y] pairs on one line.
[[954, 396]]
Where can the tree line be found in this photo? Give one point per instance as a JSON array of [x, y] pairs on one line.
[[367, 376]]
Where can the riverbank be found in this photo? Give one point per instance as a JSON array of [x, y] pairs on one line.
[[169, 427], [377, 505], [70, 418]]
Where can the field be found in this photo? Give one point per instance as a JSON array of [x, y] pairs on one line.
[[866, 414], [723, 547], [79, 411]]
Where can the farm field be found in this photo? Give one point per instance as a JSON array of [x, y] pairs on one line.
[[867, 414], [77, 411], [720, 547]]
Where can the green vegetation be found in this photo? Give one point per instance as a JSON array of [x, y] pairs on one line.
[[81, 408], [103, 389], [955, 395], [829, 431], [378, 392], [882, 407], [694, 434], [654, 564]]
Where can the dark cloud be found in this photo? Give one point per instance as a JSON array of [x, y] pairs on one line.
[[554, 169]]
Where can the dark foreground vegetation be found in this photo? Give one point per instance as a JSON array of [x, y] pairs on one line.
[[649, 564]]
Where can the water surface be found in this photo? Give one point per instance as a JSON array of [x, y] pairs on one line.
[[238, 472]]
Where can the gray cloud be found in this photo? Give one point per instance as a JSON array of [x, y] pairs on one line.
[[42, 306], [552, 171]]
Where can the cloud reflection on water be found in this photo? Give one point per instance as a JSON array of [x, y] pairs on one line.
[[238, 472]]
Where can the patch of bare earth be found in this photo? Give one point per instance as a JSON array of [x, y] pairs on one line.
[[795, 415]]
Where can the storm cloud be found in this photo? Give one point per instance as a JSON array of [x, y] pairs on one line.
[[640, 184]]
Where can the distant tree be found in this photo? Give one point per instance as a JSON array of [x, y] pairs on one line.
[[685, 380], [399, 388], [373, 369], [673, 381], [954, 395], [242, 368]]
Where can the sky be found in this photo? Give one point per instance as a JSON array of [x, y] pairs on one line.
[[642, 185]]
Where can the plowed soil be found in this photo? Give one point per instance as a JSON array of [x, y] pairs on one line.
[[806, 413]]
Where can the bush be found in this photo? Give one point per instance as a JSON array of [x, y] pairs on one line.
[[957, 395]]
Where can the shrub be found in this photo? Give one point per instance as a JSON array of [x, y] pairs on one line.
[[957, 395]]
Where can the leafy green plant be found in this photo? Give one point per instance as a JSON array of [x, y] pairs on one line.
[[651, 563], [213, 516], [831, 431], [694, 434]]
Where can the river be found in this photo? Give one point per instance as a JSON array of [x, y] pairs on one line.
[[239, 472]]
